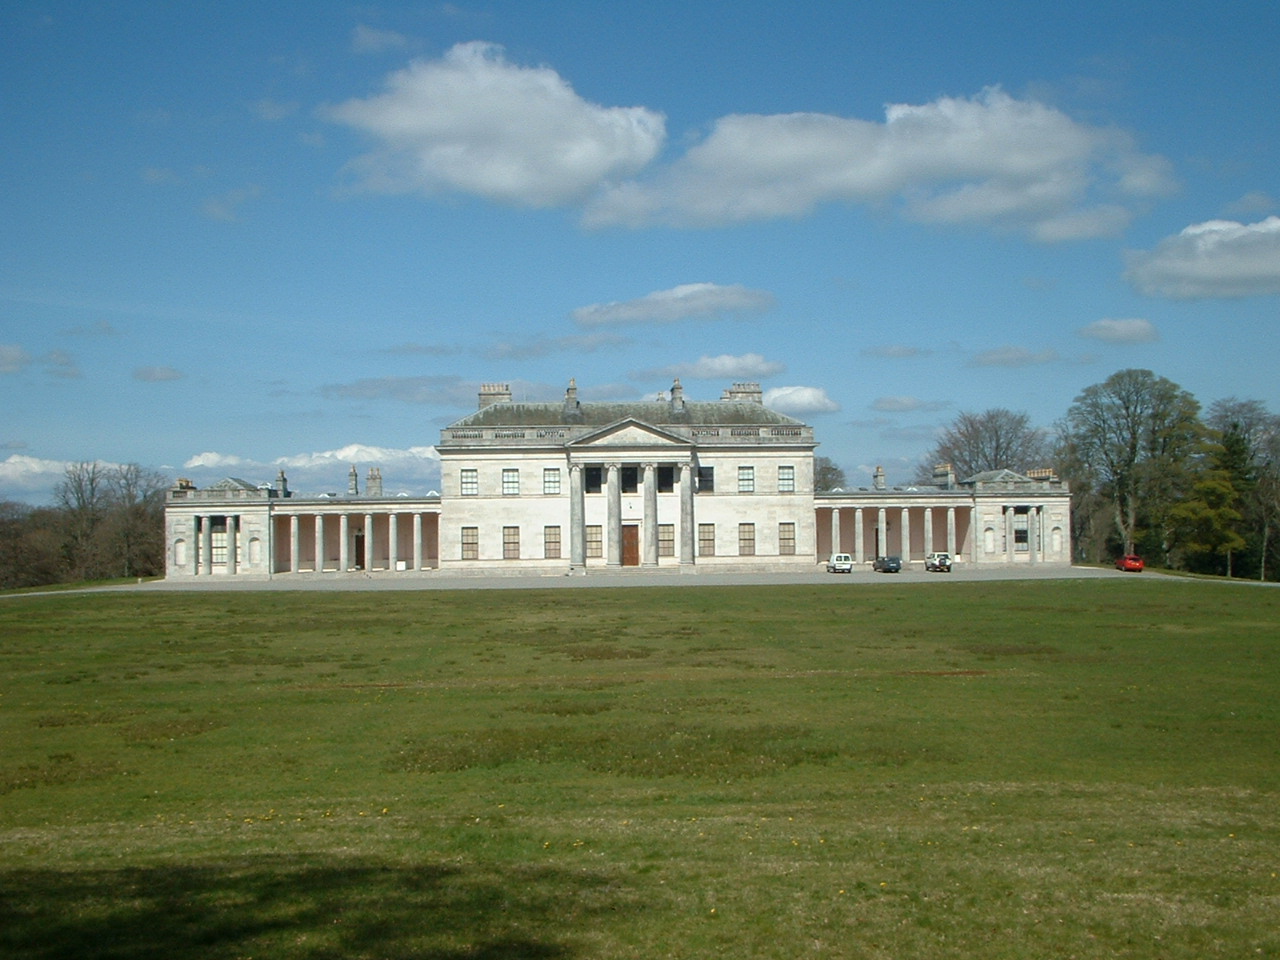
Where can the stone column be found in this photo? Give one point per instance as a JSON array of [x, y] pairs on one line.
[[206, 544], [393, 540], [951, 532], [882, 533], [232, 545], [194, 561], [368, 543], [1008, 534], [294, 543], [1033, 534], [614, 533], [577, 518], [859, 554], [344, 543], [417, 541], [906, 536], [835, 530], [650, 558], [688, 533], [319, 564], [928, 531]]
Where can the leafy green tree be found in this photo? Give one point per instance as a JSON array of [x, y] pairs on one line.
[[1249, 435], [1207, 523], [1136, 433]]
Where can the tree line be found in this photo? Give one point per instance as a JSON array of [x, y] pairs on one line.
[[1150, 473], [106, 522]]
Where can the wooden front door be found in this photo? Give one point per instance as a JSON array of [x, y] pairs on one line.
[[630, 545]]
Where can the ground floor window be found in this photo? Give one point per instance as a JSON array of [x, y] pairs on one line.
[[1021, 538], [706, 539], [510, 543], [666, 539], [470, 543], [551, 543], [787, 539], [595, 540], [746, 539]]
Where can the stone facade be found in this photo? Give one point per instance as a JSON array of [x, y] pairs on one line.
[[575, 487]]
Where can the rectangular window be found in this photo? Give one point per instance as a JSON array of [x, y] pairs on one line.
[[630, 477], [706, 479], [510, 543], [1021, 540], [470, 482], [666, 479], [787, 539], [706, 539], [510, 482], [746, 539], [666, 539], [551, 543], [592, 479], [551, 481], [470, 543], [218, 544], [746, 479], [786, 479], [595, 540]]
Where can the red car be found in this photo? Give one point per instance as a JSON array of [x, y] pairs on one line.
[[1130, 563]]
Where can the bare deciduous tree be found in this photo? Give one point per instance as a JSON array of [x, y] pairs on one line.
[[995, 439]]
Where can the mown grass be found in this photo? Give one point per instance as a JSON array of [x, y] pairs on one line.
[[1019, 769]]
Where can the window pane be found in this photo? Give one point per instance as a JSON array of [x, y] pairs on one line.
[[787, 479], [594, 541], [551, 481], [470, 543], [746, 479], [706, 539], [746, 539], [510, 482], [706, 479], [510, 543], [470, 483], [551, 543], [787, 539], [666, 539]]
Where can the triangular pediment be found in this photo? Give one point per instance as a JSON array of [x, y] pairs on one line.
[[630, 433]]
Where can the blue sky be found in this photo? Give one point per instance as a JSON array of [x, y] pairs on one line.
[[240, 237]]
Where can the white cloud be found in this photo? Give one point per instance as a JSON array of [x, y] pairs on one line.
[[991, 160], [1131, 330], [372, 40], [157, 374], [13, 358], [213, 461], [1010, 356], [799, 400], [748, 366], [1217, 258], [30, 474], [905, 404], [686, 301], [474, 123]]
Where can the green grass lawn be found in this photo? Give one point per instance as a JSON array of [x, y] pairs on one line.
[[1051, 769]]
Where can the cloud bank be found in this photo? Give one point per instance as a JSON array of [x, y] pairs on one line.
[[685, 302], [1217, 258], [474, 123]]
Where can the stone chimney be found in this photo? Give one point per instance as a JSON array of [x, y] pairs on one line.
[[572, 406], [491, 393], [878, 481], [373, 485], [944, 476], [744, 392], [678, 410], [282, 485], [353, 482]]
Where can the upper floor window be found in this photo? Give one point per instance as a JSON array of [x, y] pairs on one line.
[[706, 479], [746, 479], [470, 482], [786, 479], [630, 479], [551, 481], [510, 482], [592, 479]]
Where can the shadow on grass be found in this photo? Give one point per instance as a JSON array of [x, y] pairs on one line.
[[301, 907]]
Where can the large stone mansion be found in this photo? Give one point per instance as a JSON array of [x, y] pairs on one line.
[[575, 487]]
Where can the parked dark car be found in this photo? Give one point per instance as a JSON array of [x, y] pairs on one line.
[[1130, 563], [888, 565]]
